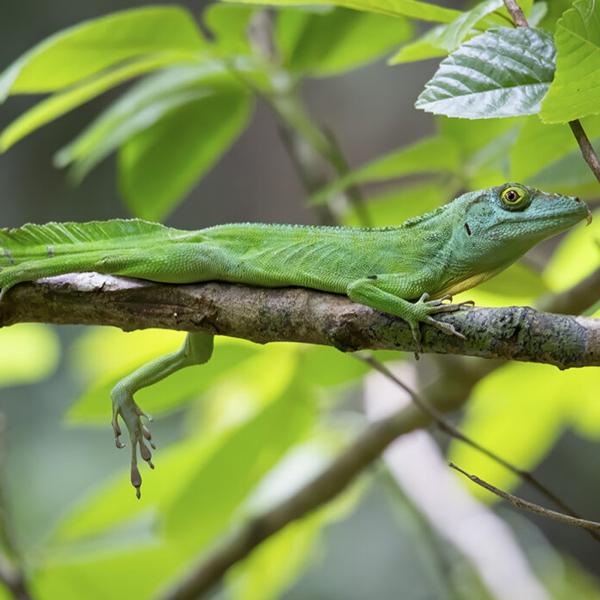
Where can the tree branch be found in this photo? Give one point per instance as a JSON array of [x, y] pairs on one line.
[[299, 315]]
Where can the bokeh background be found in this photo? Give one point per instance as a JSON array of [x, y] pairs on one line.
[[383, 547]]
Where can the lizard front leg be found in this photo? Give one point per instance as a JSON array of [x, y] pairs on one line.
[[388, 292], [196, 350]]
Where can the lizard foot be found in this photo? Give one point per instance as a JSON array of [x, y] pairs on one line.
[[140, 438], [427, 307]]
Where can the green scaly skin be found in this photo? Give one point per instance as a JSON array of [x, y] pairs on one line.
[[408, 271]]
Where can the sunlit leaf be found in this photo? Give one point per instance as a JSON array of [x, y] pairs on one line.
[[574, 92], [89, 47], [341, 39], [141, 107], [540, 146], [229, 24], [585, 410], [28, 352], [577, 256], [207, 504], [429, 155], [133, 571], [519, 279], [502, 73], [483, 148], [423, 48], [325, 366], [440, 40], [517, 286], [456, 32], [159, 165], [61, 103], [400, 204], [416, 9], [518, 412]]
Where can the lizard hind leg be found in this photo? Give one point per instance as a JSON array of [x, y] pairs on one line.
[[196, 350]]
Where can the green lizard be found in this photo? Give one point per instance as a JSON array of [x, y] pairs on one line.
[[409, 271]]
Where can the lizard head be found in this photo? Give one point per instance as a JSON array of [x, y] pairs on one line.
[[515, 217]]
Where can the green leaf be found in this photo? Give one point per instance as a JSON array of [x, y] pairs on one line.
[[425, 11], [29, 352], [229, 24], [206, 506], [502, 73], [120, 571], [400, 204], [504, 415], [139, 108], [341, 39], [455, 33], [442, 39], [585, 416], [576, 257], [574, 92], [89, 47], [517, 280], [59, 104], [429, 155], [327, 367], [568, 175], [160, 165], [538, 146], [423, 48]]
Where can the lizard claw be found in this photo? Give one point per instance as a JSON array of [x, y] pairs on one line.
[[140, 438], [445, 327]]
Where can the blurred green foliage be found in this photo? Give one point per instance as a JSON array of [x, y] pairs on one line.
[[257, 422]]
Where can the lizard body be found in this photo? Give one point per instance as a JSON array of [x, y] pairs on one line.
[[407, 271]]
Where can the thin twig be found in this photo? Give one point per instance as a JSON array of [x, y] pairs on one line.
[[516, 13], [449, 428], [587, 150], [517, 502]]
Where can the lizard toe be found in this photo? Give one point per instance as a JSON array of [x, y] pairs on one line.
[[445, 327]]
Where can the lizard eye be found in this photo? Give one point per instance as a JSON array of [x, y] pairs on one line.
[[514, 197]]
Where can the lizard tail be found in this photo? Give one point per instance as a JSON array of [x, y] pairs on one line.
[[34, 251], [37, 242]]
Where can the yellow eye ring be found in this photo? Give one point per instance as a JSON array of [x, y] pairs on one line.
[[512, 196]]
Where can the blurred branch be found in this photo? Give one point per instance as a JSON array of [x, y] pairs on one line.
[[299, 315], [530, 506], [587, 150]]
